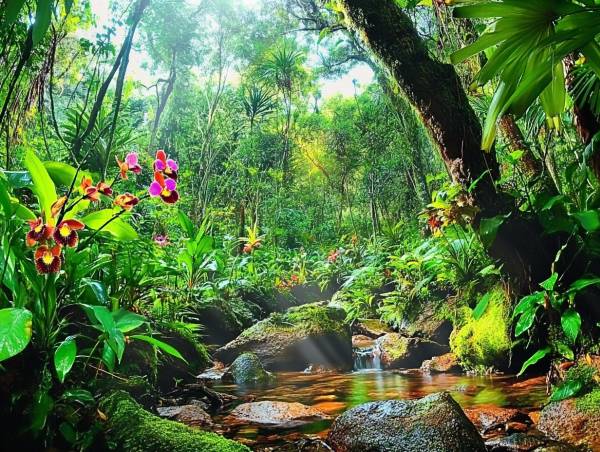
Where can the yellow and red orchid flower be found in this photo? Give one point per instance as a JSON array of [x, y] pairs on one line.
[[165, 165], [92, 192], [38, 232], [130, 163], [48, 260], [126, 201], [165, 188], [65, 234], [104, 188], [58, 205]]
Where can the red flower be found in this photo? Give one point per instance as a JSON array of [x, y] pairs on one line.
[[38, 232], [65, 233], [48, 260], [104, 188], [165, 165], [333, 256], [93, 193], [126, 201], [434, 223]]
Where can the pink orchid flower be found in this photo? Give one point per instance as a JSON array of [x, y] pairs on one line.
[[165, 165], [165, 188]]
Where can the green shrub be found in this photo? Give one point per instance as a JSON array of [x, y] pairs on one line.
[[484, 342]]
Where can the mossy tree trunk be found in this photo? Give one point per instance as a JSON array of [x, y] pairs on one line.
[[433, 88], [435, 91]]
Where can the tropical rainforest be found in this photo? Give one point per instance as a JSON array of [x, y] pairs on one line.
[[300, 225]]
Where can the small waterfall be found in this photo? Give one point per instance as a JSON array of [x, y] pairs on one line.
[[367, 358]]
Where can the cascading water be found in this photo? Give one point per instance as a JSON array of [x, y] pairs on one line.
[[367, 358]]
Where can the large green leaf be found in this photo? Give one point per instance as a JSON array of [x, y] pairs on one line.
[[588, 219], [11, 11], [569, 388], [536, 357], [488, 229], [43, 187], [583, 283], [525, 322], [571, 324], [482, 306], [15, 331], [64, 357], [549, 283], [118, 228], [127, 321], [43, 17], [63, 173], [159, 344]]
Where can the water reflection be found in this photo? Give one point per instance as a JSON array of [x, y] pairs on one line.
[[334, 393]]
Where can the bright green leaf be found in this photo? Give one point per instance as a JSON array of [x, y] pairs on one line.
[[43, 187], [117, 227], [159, 344], [15, 331], [482, 306], [571, 324], [64, 357], [537, 356]]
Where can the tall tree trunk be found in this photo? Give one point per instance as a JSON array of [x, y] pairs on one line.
[[435, 91], [516, 142], [121, 77], [164, 97], [433, 88], [80, 140]]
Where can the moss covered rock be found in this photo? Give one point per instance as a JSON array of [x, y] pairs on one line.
[[131, 428], [398, 351], [433, 423], [484, 342], [575, 421], [247, 370], [309, 334]]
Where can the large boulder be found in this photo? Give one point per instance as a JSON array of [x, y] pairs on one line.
[[575, 421], [192, 415], [398, 351], [429, 324], [434, 423], [248, 370], [310, 334], [275, 414], [373, 328], [446, 363], [491, 417]]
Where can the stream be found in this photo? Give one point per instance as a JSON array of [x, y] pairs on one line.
[[333, 393]]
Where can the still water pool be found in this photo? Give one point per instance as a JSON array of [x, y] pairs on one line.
[[333, 393]]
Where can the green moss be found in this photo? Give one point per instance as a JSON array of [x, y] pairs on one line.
[[484, 342], [395, 346], [589, 402], [306, 320], [131, 428]]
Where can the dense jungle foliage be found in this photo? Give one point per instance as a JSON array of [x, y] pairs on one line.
[[173, 172]]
